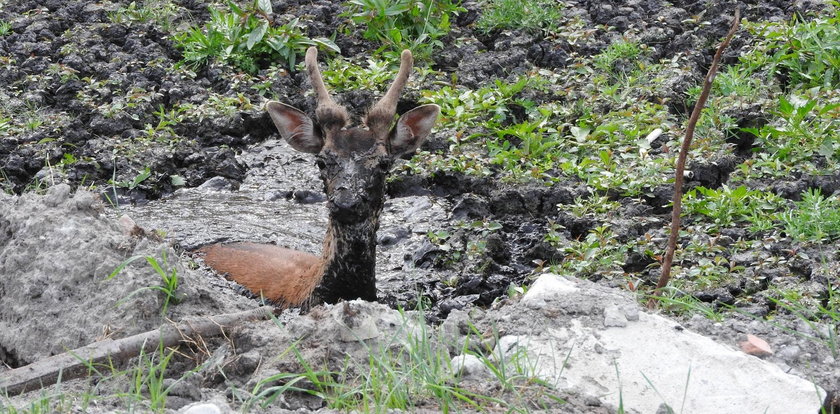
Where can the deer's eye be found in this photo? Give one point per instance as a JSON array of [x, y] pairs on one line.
[[385, 164], [320, 163]]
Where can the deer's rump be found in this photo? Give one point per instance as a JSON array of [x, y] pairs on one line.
[[280, 275]]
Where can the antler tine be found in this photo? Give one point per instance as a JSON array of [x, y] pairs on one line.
[[382, 114], [315, 76], [330, 114]]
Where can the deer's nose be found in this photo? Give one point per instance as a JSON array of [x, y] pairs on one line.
[[345, 198]]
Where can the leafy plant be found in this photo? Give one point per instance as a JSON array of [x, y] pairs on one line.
[[727, 206], [534, 16], [246, 37], [816, 218], [808, 52], [404, 24], [168, 275], [161, 12]]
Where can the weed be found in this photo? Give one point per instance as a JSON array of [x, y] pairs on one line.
[[137, 180], [674, 300], [727, 206], [807, 52], [404, 24], [168, 275], [621, 51], [246, 37], [816, 218], [5, 27], [534, 16], [160, 12]]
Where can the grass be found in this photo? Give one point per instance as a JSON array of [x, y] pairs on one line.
[[410, 370], [168, 275]]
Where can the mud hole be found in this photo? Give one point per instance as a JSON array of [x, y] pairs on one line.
[[459, 245]]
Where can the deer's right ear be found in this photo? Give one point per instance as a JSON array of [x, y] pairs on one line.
[[295, 127]]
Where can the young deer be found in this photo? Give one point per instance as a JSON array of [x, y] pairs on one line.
[[354, 163]]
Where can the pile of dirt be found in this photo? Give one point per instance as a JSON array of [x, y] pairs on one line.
[[57, 253]]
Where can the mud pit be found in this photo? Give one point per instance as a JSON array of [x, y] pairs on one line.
[[57, 250]]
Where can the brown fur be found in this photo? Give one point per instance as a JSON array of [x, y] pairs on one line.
[[280, 275]]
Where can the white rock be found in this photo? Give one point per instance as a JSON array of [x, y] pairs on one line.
[[469, 366], [548, 287]]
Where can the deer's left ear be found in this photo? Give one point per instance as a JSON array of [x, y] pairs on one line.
[[412, 128]]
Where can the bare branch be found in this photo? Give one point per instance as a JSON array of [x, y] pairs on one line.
[[678, 182]]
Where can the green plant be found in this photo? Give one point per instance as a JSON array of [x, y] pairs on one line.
[[5, 27], [246, 37], [130, 185], [160, 12], [404, 24], [622, 50], [816, 218], [168, 275], [808, 52], [675, 300], [148, 378], [805, 128], [534, 16], [727, 206]]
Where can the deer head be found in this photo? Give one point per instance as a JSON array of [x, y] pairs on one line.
[[354, 161]]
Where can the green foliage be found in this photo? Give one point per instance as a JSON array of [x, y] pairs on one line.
[[5, 27], [816, 218], [727, 206], [160, 12], [246, 38], [805, 129], [808, 53], [534, 16], [168, 275], [417, 25], [622, 50], [599, 253]]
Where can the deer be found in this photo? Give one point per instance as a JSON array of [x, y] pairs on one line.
[[354, 163]]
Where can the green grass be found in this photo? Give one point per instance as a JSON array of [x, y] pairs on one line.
[[408, 371], [168, 275], [534, 16]]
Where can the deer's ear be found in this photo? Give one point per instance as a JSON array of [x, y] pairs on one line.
[[295, 127], [412, 129]]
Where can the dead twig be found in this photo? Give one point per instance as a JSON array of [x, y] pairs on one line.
[[678, 182], [76, 363]]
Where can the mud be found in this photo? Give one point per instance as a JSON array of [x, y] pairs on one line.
[[240, 182]]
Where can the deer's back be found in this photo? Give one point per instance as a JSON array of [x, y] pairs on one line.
[[281, 275]]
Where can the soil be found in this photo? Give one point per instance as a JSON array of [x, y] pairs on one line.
[[59, 243]]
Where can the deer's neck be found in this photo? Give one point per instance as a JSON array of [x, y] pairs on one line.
[[349, 267]]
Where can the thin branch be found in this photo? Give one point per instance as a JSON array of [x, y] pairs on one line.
[[76, 363], [678, 182]]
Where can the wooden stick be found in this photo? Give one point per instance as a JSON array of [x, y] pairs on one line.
[[678, 182], [74, 364]]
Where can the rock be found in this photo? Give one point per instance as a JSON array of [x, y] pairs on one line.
[[202, 408], [547, 287], [756, 346], [614, 317], [470, 366]]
